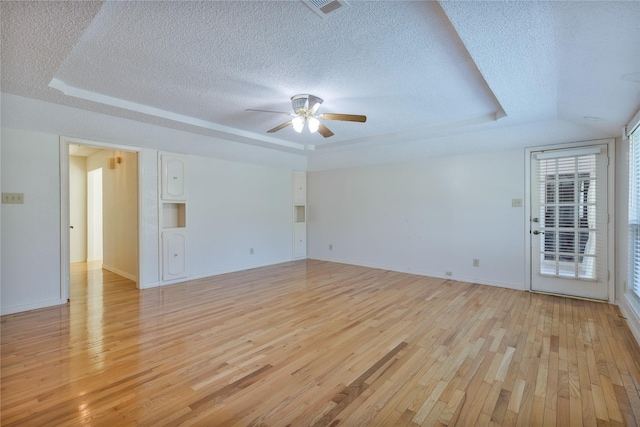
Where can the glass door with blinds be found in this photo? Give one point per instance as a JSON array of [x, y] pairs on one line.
[[569, 222]]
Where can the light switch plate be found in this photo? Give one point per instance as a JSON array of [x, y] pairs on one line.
[[13, 198], [516, 203]]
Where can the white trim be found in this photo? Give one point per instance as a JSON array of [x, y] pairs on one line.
[[215, 273], [119, 272], [526, 225], [611, 210], [65, 256], [632, 125], [554, 154], [150, 285], [99, 144], [437, 275], [630, 309], [64, 208], [611, 177], [34, 306], [156, 112], [235, 269], [141, 224]]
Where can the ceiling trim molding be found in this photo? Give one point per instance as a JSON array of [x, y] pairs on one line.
[[426, 132], [156, 112]]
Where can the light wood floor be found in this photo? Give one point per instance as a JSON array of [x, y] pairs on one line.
[[312, 343]]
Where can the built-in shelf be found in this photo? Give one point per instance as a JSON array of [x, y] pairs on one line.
[[174, 215], [299, 214]]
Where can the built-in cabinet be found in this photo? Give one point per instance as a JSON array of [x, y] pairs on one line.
[[174, 250], [173, 216], [299, 188], [173, 183], [299, 215]]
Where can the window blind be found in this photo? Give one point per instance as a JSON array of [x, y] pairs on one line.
[[572, 214], [634, 211]]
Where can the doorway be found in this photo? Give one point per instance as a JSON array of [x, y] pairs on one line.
[[102, 202], [569, 221]]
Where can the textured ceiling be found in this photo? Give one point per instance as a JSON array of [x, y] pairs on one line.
[[432, 78]]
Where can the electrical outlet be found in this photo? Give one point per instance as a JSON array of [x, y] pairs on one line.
[[330, 247], [516, 203], [449, 273], [13, 198], [476, 262], [250, 251]]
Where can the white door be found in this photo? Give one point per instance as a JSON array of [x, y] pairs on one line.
[[174, 248], [173, 170], [300, 240], [569, 222]]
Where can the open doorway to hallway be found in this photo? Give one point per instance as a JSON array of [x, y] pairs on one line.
[[103, 217]]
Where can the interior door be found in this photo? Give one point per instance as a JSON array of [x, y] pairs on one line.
[[569, 222]]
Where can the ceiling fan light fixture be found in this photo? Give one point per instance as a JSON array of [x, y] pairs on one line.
[[298, 123], [314, 124]]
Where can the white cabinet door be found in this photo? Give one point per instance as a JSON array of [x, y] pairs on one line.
[[299, 240], [299, 188], [174, 251], [173, 170]]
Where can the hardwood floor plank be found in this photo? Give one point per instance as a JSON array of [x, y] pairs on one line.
[[316, 343]]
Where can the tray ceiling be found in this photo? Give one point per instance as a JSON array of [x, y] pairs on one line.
[[421, 72]]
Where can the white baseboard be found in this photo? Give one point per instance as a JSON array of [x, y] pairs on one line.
[[515, 286], [633, 316], [239, 268], [213, 273], [120, 272], [34, 306], [149, 285]]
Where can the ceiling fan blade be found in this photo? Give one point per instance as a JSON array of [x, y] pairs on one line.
[[324, 131], [269, 111], [277, 128], [344, 117]]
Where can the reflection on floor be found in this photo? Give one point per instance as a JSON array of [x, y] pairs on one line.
[[314, 343], [89, 280]]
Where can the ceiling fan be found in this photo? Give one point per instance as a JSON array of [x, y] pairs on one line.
[[305, 108]]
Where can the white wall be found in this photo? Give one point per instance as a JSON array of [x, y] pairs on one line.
[[31, 231], [78, 208], [233, 207], [149, 268], [425, 217], [94, 215], [120, 211]]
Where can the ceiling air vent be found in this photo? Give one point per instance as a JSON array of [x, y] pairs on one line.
[[326, 7]]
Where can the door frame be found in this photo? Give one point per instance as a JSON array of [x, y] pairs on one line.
[[65, 284], [611, 174]]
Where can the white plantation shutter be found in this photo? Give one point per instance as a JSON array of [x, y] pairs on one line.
[[572, 203], [634, 211]]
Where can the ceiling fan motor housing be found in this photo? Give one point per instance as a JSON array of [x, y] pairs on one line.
[[302, 103]]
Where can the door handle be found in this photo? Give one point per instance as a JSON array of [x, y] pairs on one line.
[[536, 232]]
